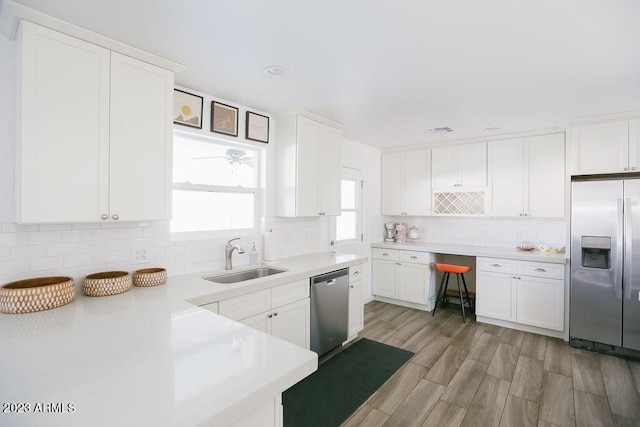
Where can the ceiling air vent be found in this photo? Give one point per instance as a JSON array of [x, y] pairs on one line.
[[445, 129]]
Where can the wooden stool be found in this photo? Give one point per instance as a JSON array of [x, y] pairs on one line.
[[444, 293]]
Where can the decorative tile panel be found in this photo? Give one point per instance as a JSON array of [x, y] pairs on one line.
[[459, 203]]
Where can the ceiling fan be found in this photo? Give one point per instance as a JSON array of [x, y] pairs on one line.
[[234, 156]]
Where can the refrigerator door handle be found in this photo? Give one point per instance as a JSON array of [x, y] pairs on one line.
[[628, 245], [618, 273]]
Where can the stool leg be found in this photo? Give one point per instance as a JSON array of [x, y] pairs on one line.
[[442, 284], [466, 291], [461, 297]]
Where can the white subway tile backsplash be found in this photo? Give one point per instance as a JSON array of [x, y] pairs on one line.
[[45, 237], [62, 249], [27, 252], [13, 239], [54, 227], [50, 263], [14, 267], [5, 254], [78, 260], [93, 246], [83, 235], [105, 234]]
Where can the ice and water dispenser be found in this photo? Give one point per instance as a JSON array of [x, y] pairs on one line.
[[596, 252]]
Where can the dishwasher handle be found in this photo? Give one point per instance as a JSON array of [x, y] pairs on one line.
[[329, 276]]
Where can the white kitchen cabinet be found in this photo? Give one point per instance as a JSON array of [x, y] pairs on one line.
[[404, 277], [610, 147], [94, 132], [528, 293], [289, 322], [282, 311], [459, 166], [526, 176], [406, 183], [307, 156], [356, 302]]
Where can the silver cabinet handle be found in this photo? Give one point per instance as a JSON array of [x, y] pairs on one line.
[[322, 213], [385, 254], [541, 270], [105, 217], [414, 257], [357, 272], [115, 217], [351, 286], [496, 266], [626, 169], [633, 168]]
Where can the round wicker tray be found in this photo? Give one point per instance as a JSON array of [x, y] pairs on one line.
[[150, 277], [106, 283], [41, 293]]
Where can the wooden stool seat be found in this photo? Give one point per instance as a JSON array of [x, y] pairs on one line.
[[444, 293]]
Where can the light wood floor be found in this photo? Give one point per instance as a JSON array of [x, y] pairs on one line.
[[475, 374]]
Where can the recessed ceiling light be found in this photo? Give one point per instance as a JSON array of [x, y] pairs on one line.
[[492, 129], [276, 71], [444, 129]]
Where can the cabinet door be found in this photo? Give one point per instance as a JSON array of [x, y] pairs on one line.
[[444, 167], [600, 148], [544, 176], [495, 295], [413, 283], [472, 165], [417, 182], [63, 116], [356, 309], [292, 323], [634, 144], [392, 184], [308, 185], [141, 140], [329, 158], [541, 302], [260, 322], [384, 278], [506, 177]]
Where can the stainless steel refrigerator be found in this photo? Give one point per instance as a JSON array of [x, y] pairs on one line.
[[605, 265]]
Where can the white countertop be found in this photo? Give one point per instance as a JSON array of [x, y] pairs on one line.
[[475, 250], [148, 357]]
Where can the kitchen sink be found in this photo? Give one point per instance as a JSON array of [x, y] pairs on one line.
[[243, 275]]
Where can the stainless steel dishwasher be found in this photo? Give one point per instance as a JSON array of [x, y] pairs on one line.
[[329, 310]]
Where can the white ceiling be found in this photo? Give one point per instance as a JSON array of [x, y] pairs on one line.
[[391, 70]]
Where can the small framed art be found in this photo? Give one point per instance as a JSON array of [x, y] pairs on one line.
[[187, 109], [224, 119], [257, 127]]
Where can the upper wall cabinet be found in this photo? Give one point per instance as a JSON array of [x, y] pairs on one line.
[[527, 176], [406, 183], [611, 147], [307, 156], [458, 166], [94, 132]]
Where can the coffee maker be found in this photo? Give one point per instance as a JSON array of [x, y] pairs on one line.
[[389, 231]]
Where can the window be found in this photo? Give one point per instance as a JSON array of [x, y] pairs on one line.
[[346, 229], [215, 185]]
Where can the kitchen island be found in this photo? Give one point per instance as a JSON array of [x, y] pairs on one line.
[[150, 356]]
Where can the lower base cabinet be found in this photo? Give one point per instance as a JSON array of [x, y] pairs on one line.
[[356, 302], [289, 322], [529, 293], [405, 276]]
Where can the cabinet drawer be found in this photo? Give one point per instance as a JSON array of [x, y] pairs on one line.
[[243, 306], [541, 269], [415, 257], [355, 273], [289, 292], [391, 254], [496, 265]]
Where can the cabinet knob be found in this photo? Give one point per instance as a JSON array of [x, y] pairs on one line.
[[275, 313], [357, 272], [633, 168], [269, 316], [322, 213], [541, 270], [626, 169], [351, 286], [105, 217], [115, 217]]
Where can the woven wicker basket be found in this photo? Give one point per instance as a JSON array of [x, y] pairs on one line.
[[150, 277], [41, 293], [106, 283]]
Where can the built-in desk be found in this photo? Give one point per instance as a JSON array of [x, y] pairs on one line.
[[515, 289]]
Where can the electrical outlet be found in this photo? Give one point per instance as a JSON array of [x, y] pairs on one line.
[[140, 256]]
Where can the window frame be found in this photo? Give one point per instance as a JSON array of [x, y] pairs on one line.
[[256, 190]]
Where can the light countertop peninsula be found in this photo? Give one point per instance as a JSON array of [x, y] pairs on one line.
[[150, 356]]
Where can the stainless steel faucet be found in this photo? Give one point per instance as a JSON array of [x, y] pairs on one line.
[[228, 251]]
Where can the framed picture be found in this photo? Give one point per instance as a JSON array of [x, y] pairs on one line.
[[187, 109], [257, 127], [224, 119]]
